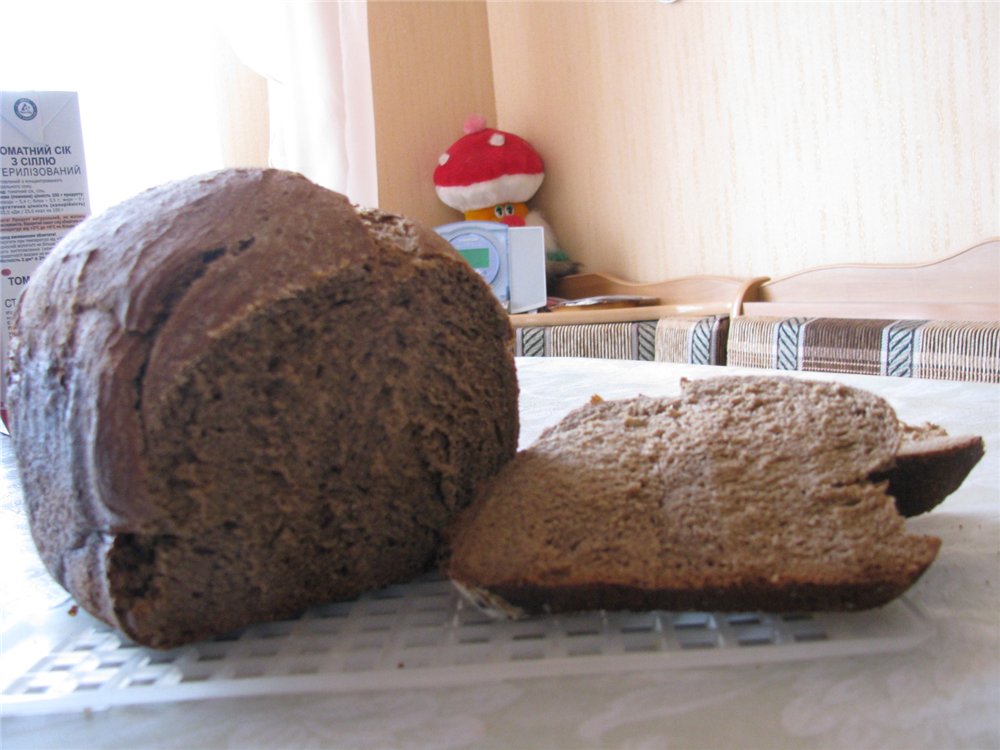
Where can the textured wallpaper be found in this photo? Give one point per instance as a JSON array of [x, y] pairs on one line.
[[756, 138]]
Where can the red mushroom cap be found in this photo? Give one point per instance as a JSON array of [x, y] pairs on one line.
[[486, 167]]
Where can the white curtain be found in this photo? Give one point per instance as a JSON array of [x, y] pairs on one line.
[[315, 58]]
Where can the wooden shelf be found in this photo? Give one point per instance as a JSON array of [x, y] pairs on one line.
[[617, 315], [964, 286], [690, 296]]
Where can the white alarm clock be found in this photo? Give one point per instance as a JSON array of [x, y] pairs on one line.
[[510, 259]]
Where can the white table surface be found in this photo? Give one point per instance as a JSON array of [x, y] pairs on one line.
[[943, 694]]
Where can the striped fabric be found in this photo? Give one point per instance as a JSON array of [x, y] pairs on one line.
[[942, 350], [696, 341], [898, 347], [599, 340], [949, 350], [684, 340]]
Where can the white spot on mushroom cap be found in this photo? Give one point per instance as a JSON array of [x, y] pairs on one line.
[[443, 159], [497, 139]]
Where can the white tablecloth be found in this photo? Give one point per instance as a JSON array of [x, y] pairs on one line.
[[944, 693]]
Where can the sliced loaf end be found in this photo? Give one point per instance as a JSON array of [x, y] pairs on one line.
[[744, 493], [930, 466]]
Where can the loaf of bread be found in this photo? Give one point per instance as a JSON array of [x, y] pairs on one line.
[[744, 493], [237, 395]]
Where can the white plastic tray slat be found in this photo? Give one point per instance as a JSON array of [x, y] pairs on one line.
[[424, 634]]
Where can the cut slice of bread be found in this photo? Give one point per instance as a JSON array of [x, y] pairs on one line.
[[742, 493], [930, 465]]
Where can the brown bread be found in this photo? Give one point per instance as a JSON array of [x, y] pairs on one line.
[[930, 464], [237, 395], [743, 493]]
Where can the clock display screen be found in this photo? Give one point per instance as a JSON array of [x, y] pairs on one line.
[[477, 257]]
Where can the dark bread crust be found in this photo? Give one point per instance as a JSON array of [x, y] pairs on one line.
[[929, 467], [759, 596], [743, 493], [237, 395]]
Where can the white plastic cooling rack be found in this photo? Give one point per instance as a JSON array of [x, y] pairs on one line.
[[424, 634]]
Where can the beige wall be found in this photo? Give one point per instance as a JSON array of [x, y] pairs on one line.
[[431, 68], [691, 138]]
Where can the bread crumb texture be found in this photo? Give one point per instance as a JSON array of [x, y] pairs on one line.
[[742, 493]]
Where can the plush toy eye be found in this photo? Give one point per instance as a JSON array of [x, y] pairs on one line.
[[509, 209], [498, 210]]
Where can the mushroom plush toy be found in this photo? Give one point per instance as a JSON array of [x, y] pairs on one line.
[[490, 175]]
